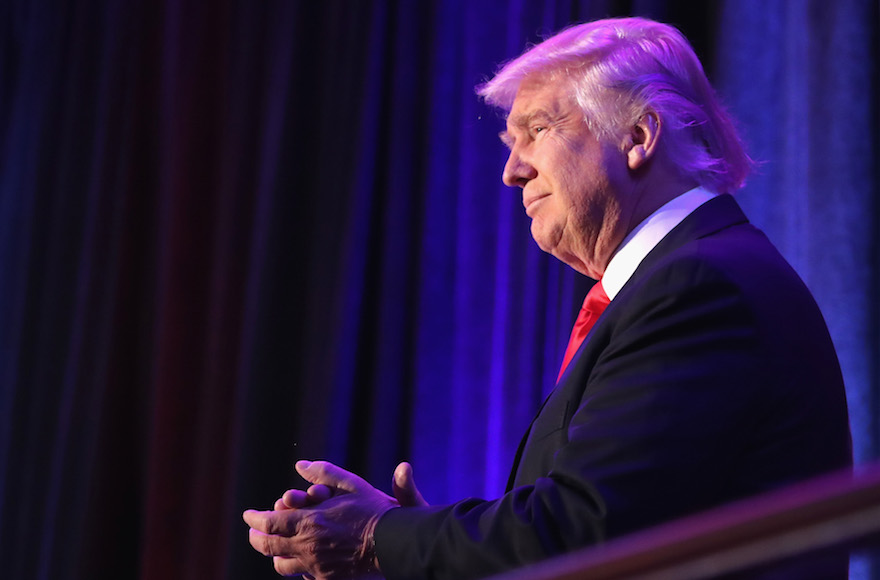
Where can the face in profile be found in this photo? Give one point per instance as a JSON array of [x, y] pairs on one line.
[[570, 180]]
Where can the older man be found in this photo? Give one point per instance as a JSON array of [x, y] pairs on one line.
[[700, 370]]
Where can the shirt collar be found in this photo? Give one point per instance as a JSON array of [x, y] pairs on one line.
[[647, 235]]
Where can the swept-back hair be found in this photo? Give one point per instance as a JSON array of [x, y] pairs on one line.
[[621, 69]]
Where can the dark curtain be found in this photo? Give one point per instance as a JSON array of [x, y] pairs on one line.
[[234, 234]]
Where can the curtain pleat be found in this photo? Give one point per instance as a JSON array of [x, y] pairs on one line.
[[236, 234]]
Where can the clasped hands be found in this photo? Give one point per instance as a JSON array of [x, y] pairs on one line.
[[326, 532]]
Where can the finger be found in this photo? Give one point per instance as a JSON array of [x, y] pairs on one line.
[[281, 523], [279, 505], [289, 566], [272, 544], [404, 486], [325, 473], [319, 493], [295, 498]]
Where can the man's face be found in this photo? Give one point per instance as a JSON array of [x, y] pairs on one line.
[[571, 182]]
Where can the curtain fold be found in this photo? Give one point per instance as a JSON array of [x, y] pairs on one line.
[[802, 99], [236, 234]]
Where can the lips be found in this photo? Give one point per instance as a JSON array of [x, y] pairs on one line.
[[531, 203]]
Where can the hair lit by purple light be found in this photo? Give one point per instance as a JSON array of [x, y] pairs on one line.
[[622, 68]]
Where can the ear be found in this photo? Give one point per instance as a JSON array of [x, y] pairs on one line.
[[642, 141]]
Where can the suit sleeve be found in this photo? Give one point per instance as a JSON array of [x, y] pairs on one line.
[[675, 409]]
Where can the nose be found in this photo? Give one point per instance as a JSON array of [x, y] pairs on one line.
[[517, 171]]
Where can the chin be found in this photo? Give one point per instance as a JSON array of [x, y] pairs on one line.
[[547, 242], [574, 263], [544, 245], [538, 236]]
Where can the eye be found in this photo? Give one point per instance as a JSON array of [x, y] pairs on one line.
[[537, 130]]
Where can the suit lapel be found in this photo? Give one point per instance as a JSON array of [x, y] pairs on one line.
[[714, 215]]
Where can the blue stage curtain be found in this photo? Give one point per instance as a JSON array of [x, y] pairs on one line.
[[234, 234]]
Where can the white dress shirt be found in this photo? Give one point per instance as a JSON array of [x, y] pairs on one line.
[[647, 235]]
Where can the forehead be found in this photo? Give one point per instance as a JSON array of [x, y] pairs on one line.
[[543, 96]]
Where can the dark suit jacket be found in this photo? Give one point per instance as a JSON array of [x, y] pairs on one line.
[[710, 377]]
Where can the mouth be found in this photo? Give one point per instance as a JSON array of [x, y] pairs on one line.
[[531, 203]]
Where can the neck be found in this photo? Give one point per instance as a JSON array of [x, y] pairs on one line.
[[648, 195], [658, 185]]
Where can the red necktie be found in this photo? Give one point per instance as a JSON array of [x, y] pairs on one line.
[[594, 305]]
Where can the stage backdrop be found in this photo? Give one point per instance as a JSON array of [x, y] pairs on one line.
[[235, 233]]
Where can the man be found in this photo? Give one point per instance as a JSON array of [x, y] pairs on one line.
[[709, 377]]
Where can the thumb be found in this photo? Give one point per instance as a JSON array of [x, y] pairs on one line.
[[325, 473], [404, 486]]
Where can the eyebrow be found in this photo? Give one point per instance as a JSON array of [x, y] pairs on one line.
[[506, 138], [526, 119], [523, 121]]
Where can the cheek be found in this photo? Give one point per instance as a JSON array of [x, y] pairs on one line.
[[594, 201], [572, 183], [581, 187]]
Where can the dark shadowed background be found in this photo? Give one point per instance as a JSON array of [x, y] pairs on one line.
[[234, 234]]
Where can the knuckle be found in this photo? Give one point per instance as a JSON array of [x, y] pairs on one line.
[[306, 528], [312, 550], [282, 523], [279, 546], [321, 468]]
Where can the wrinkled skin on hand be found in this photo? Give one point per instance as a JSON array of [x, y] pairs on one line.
[[326, 532]]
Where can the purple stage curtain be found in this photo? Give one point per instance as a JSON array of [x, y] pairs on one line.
[[234, 234]]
